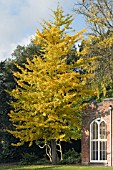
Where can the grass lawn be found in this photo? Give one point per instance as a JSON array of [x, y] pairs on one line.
[[60, 167]]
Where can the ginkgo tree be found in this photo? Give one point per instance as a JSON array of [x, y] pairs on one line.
[[49, 94]]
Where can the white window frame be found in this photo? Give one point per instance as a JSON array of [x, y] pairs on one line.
[[98, 121]]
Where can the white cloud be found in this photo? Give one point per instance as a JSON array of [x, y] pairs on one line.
[[10, 48], [20, 18]]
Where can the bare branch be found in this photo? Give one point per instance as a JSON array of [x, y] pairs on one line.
[[42, 147], [60, 150], [48, 150], [98, 14], [48, 153]]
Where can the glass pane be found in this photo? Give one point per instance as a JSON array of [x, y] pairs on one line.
[[94, 130], [103, 150], [103, 134], [94, 150]]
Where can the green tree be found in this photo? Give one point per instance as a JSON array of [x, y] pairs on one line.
[[49, 94], [7, 82], [22, 52]]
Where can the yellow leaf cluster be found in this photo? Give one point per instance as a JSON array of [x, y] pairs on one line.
[[48, 91]]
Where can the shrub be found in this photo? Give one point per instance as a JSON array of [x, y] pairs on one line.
[[31, 158], [43, 161], [28, 159], [71, 157]]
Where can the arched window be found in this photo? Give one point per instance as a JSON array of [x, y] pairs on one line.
[[98, 141]]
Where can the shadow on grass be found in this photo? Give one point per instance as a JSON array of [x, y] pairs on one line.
[[35, 167], [57, 167]]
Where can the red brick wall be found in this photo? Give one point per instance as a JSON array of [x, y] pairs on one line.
[[93, 111]]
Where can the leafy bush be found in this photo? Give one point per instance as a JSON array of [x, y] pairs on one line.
[[71, 157], [31, 158], [43, 161], [7, 152], [28, 159]]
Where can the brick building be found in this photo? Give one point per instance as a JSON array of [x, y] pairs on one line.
[[97, 137]]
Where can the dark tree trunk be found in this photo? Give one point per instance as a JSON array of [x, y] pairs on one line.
[[54, 152]]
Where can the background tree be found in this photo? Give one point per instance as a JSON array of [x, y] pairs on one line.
[[22, 52], [9, 153], [6, 83], [49, 93], [99, 17]]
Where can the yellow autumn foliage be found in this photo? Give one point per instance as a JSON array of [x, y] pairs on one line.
[[49, 94]]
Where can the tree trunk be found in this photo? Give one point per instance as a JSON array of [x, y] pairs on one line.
[[54, 152]]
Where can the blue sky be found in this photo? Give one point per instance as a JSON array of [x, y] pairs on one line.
[[20, 18]]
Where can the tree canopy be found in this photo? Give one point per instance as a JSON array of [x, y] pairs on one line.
[[49, 94], [7, 82], [99, 43], [98, 15]]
